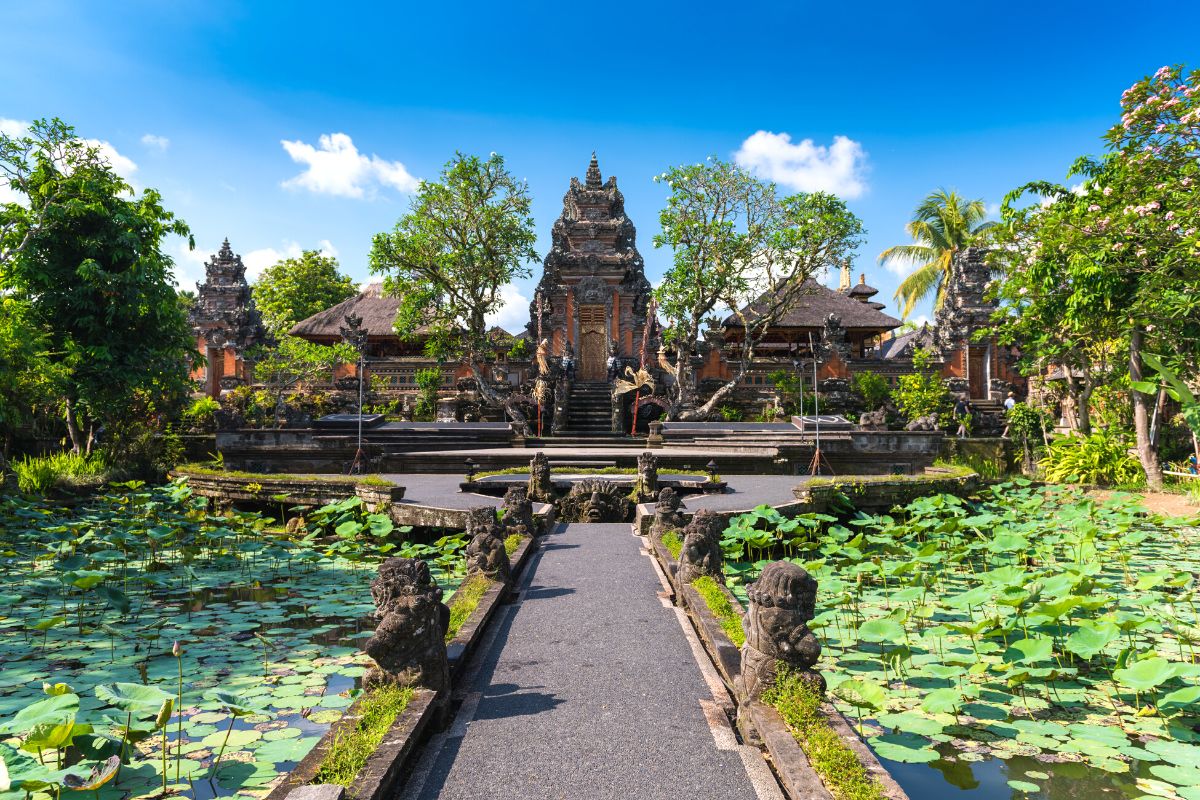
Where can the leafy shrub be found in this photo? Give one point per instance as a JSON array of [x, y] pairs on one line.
[[789, 386], [922, 392], [730, 413], [872, 388], [429, 381], [201, 415], [519, 349], [1102, 458], [38, 475]]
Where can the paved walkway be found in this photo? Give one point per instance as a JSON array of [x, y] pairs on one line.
[[590, 687]]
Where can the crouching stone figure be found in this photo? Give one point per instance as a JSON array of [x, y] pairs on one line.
[[782, 602], [701, 551], [485, 551], [408, 646]]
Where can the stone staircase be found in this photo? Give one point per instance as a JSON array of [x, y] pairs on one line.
[[589, 412]]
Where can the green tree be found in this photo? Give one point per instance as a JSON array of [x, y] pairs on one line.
[[943, 224], [28, 379], [737, 244], [464, 238], [872, 388], [429, 383], [291, 362], [1115, 258], [85, 254], [922, 392], [294, 289]]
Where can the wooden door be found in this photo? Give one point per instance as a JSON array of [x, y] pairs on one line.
[[977, 361], [593, 343]]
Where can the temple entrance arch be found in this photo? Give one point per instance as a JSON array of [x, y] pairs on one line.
[[593, 343]]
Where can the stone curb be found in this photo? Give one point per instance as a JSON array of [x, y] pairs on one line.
[[379, 776]]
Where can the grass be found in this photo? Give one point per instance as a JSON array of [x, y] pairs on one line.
[[40, 474], [673, 542], [464, 601], [839, 768], [512, 543], [353, 746], [718, 603], [581, 470], [200, 469]]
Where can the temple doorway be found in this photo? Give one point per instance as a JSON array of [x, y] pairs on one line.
[[593, 343]]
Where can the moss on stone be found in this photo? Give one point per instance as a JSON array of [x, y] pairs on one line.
[[351, 747], [183, 470], [841, 771], [464, 601], [673, 542], [718, 603]]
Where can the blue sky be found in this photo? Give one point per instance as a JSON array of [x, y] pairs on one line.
[[222, 106]]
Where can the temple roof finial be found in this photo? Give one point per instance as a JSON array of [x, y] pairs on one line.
[[593, 173], [226, 251], [844, 278]]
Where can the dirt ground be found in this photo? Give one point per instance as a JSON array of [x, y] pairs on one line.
[[1165, 503]]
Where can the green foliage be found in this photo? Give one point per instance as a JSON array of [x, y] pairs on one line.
[[39, 474], [1113, 259], [292, 362], [201, 415], [790, 388], [465, 238], [511, 543], [429, 383], [29, 379], [872, 388], [718, 603], [1102, 457], [464, 602], [736, 243], [94, 594], [350, 749], [730, 413], [85, 257], [1035, 619], [673, 542], [922, 392], [520, 349], [942, 225], [834, 761], [294, 289]]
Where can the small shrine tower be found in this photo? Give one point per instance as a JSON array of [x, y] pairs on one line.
[[225, 323]]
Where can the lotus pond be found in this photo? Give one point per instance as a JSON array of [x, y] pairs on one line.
[[146, 643], [1031, 642]]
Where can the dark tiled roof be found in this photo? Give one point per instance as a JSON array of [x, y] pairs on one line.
[[378, 314], [902, 346], [818, 301]]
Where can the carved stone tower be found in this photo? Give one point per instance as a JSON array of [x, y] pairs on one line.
[[225, 322], [593, 288]]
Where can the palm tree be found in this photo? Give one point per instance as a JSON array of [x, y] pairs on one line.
[[943, 224]]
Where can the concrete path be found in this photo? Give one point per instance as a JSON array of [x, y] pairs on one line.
[[590, 686]]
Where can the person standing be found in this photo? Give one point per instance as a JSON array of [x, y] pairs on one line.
[[1010, 403], [962, 413]]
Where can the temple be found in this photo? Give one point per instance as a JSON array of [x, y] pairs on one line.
[[593, 302], [226, 324], [593, 293]]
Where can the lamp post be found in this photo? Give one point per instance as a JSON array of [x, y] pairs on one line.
[[471, 464], [354, 335], [711, 466]]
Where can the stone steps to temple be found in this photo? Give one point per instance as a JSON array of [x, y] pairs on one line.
[[589, 409]]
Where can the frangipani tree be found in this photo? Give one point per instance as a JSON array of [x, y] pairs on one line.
[[1117, 256], [738, 245]]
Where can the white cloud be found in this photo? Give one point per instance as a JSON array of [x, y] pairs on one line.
[[513, 316], [122, 165], [993, 209], [156, 142], [805, 166], [898, 267], [920, 319], [13, 127], [336, 167]]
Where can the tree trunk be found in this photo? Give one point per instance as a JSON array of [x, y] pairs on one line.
[[1083, 410], [1146, 450], [77, 442], [719, 395], [491, 398]]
